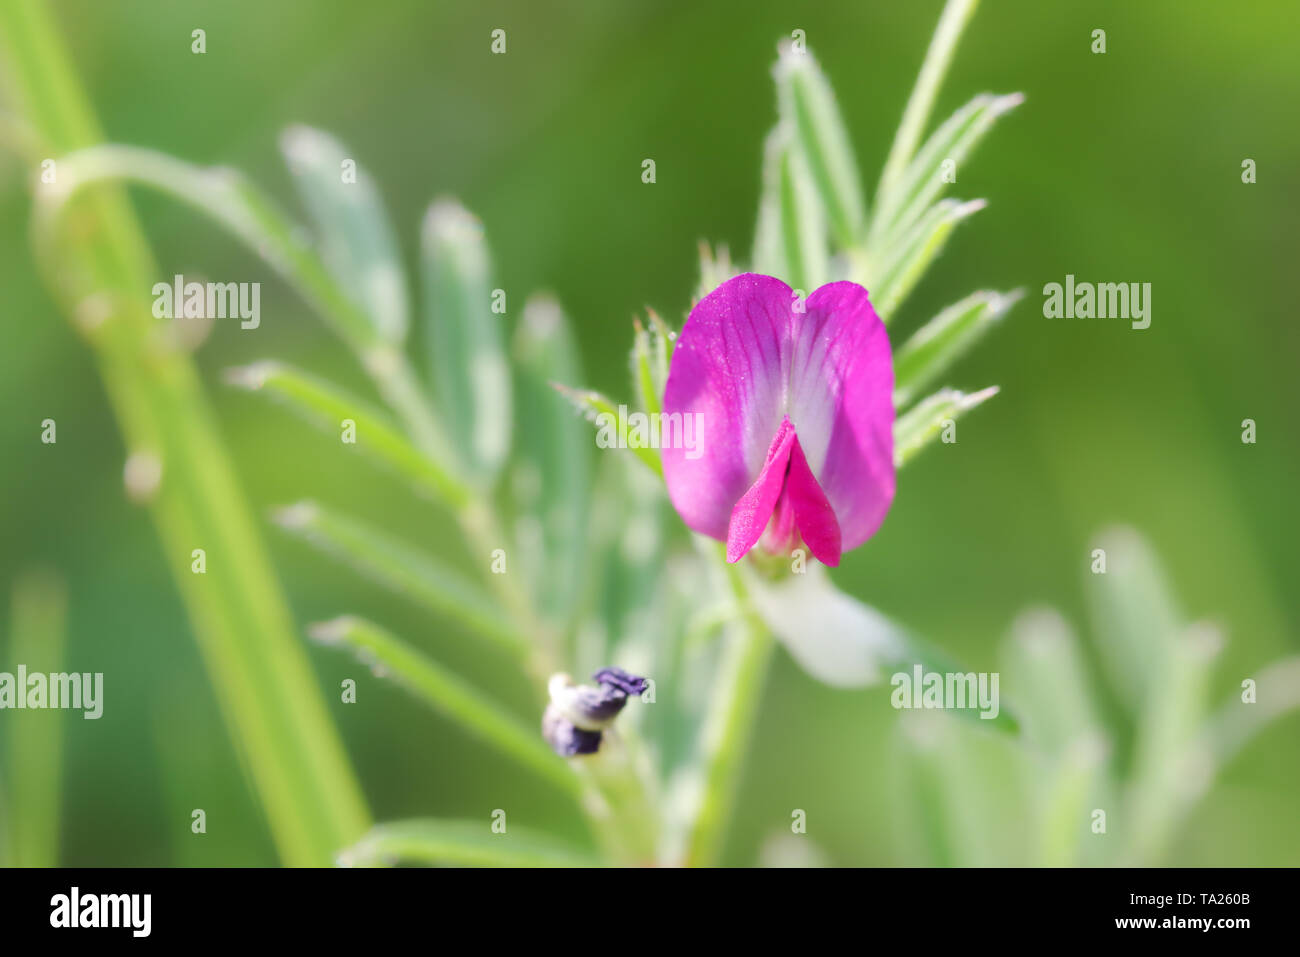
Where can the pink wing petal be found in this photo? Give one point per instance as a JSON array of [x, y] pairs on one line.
[[842, 406], [750, 516], [812, 512], [730, 366]]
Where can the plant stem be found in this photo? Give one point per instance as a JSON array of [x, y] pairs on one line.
[[263, 680], [35, 740], [729, 727]]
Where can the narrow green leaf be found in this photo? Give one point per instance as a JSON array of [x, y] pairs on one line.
[[34, 739], [925, 181], [276, 714], [944, 339], [226, 197], [1072, 789], [1135, 615], [1042, 659], [767, 255], [911, 651], [602, 413], [326, 405], [234, 203], [465, 335], [461, 843], [716, 268], [356, 238], [402, 568], [1277, 693], [551, 478], [665, 341], [956, 14], [807, 106], [1170, 769], [803, 231], [925, 422], [900, 273], [790, 241], [642, 368], [448, 694]]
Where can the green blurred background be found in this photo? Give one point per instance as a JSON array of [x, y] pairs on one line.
[[1119, 167]]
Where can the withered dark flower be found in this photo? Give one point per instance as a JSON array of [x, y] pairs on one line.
[[577, 715]]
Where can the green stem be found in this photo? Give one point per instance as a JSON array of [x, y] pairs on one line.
[[728, 729], [35, 739], [263, 680]]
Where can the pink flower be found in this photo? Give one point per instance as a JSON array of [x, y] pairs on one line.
[[796, 410]]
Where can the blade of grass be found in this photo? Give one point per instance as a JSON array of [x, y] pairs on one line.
[[403, 569], [101, 274], [462, 843], [448, 694]]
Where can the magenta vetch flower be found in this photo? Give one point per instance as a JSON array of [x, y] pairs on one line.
[[795, 402]]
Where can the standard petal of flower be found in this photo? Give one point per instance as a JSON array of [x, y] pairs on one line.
[[731, 367], [842, 408]]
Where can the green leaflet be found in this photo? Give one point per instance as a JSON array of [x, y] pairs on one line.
[[943, 340], [356, 238], [448, 694], [462, 843], [926, 421], [464, 332]]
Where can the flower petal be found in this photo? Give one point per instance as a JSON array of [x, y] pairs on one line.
[[750, 516], [842, 406], [730, 368], [746, 360], [835, 638], [812, 512]]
